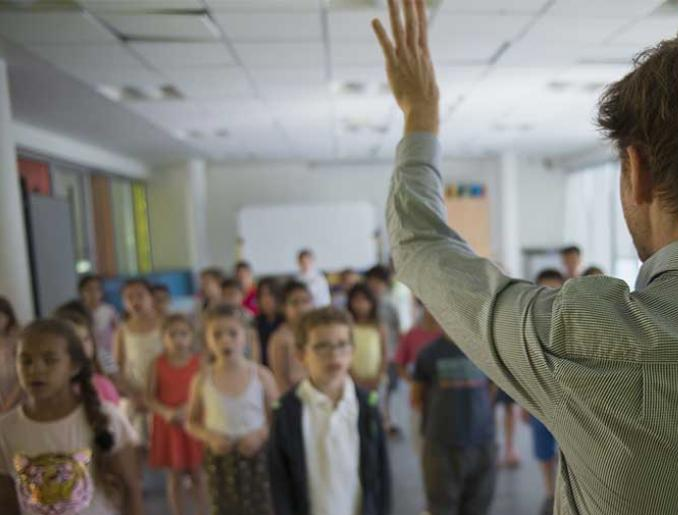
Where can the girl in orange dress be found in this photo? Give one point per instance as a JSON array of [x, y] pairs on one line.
[[168, 391]]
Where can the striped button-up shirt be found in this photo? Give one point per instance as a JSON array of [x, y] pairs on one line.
[[597, 363]]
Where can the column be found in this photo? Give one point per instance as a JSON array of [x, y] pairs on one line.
[[511, 257], [15, 278]]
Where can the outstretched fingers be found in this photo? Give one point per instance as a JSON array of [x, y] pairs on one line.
[[411, 25], [384, 41], [396, 24], [423, 25]]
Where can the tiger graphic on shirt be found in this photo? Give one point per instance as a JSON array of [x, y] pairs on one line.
[[54, 483]]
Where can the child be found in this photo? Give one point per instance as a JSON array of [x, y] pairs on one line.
[[82, 325], [378, 279], [423, 333], [282, 350], [105, 319], [231, 293], [243, 273], [61, 450], [328, 450], [10, 392], [138, 342], [545, 446], [459, 452], [168, 388], [314, 279], [269, 318], [348, 278], [370, 360], [161, 299], [210, 288], [229, 411]]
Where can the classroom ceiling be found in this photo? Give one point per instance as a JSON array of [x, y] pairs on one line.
[[303, 79]]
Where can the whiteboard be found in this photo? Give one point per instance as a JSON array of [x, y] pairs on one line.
[[341, 235]]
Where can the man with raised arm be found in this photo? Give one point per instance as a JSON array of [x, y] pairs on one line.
[[597, 363]]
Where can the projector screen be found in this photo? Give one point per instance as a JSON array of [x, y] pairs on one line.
[[341, 235]]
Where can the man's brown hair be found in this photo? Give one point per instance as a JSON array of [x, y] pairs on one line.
[[320, 317], [642, 110]]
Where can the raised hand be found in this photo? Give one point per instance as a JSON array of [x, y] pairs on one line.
[[409, 66]]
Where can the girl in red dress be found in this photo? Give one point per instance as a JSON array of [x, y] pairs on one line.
[[168, 390]]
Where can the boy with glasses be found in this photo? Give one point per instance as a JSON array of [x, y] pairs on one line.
[[327, 448]]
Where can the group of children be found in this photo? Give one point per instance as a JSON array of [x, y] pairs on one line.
[[260, 403], [99, 397]]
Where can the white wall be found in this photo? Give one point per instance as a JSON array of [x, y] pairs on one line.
[[538, 202], [231, 186], [178, 216], [168, 218]]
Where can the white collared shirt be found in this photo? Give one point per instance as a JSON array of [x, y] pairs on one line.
[[317, 284], [332, 448]]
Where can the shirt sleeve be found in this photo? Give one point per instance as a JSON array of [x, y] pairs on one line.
[[123, 432], [502, 324]]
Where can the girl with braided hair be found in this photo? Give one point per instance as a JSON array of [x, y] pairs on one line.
[[63, 451]]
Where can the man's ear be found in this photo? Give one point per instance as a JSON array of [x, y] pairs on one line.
[[640, 177]]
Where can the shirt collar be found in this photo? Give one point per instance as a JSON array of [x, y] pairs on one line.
[[311, 396], [663, 260]]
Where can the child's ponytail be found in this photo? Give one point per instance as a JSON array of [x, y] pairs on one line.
[[96, 417]]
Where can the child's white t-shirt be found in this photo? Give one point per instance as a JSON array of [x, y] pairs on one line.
[[51, 462]]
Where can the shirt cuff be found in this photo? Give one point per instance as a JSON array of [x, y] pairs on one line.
[[419, 148]]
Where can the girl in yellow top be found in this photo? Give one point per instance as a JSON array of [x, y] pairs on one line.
[[369, 336]]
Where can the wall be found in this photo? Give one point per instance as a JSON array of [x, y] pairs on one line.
[[178, 216], [168, 217], [178, 207], [231, 186]]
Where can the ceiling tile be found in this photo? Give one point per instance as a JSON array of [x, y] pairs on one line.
[[610, 53], [185, 27], [37, 28], [210, 83], [350, 54], [354, 25], [502, 26], [100, 6], [263, 5], [281, 55], [577, 30], [604, 8], [167, 55], [117, 77], [462, 49], [494, 6], [647, 32], [91, 56], [267, 27]]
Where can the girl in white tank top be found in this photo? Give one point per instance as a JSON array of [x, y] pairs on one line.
[[137, 343], [229, 411]]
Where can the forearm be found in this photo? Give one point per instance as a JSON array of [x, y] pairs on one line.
[[200, 432], [500, 323], [134, 504]]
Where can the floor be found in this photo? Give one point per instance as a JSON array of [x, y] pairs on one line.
[[519, 491]]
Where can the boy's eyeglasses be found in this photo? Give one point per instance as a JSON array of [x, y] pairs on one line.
[[325, 349]]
